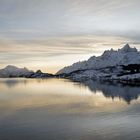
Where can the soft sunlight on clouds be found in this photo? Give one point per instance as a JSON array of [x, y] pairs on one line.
[[50, 34], [52, 54]]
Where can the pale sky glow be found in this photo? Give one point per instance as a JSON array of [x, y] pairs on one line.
[[49, 34]]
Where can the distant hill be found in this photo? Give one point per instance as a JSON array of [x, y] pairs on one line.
[[12, 71]]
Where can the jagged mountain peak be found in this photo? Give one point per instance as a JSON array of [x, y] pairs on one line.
[[127, 48]]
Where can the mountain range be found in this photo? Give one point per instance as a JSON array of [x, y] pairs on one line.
[[120, 65]]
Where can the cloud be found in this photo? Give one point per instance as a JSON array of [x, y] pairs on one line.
[[34, 19], [43, 31]]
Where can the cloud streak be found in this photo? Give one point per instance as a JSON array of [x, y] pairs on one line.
[[41, 32], [30, 19]]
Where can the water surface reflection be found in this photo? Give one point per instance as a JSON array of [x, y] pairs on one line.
[[110, 90], [56, 109]]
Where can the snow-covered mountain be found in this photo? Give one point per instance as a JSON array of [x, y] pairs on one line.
[[110, 58], [122, 65], [12, 71]]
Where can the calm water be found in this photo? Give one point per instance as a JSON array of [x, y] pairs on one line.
[[56, 109]]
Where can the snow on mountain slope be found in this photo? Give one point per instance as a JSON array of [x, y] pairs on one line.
[[12, 71], [123, 56]]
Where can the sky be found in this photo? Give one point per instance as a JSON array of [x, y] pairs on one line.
[[51, 34]]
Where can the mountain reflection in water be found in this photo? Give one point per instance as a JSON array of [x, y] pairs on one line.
[[110, 90]]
